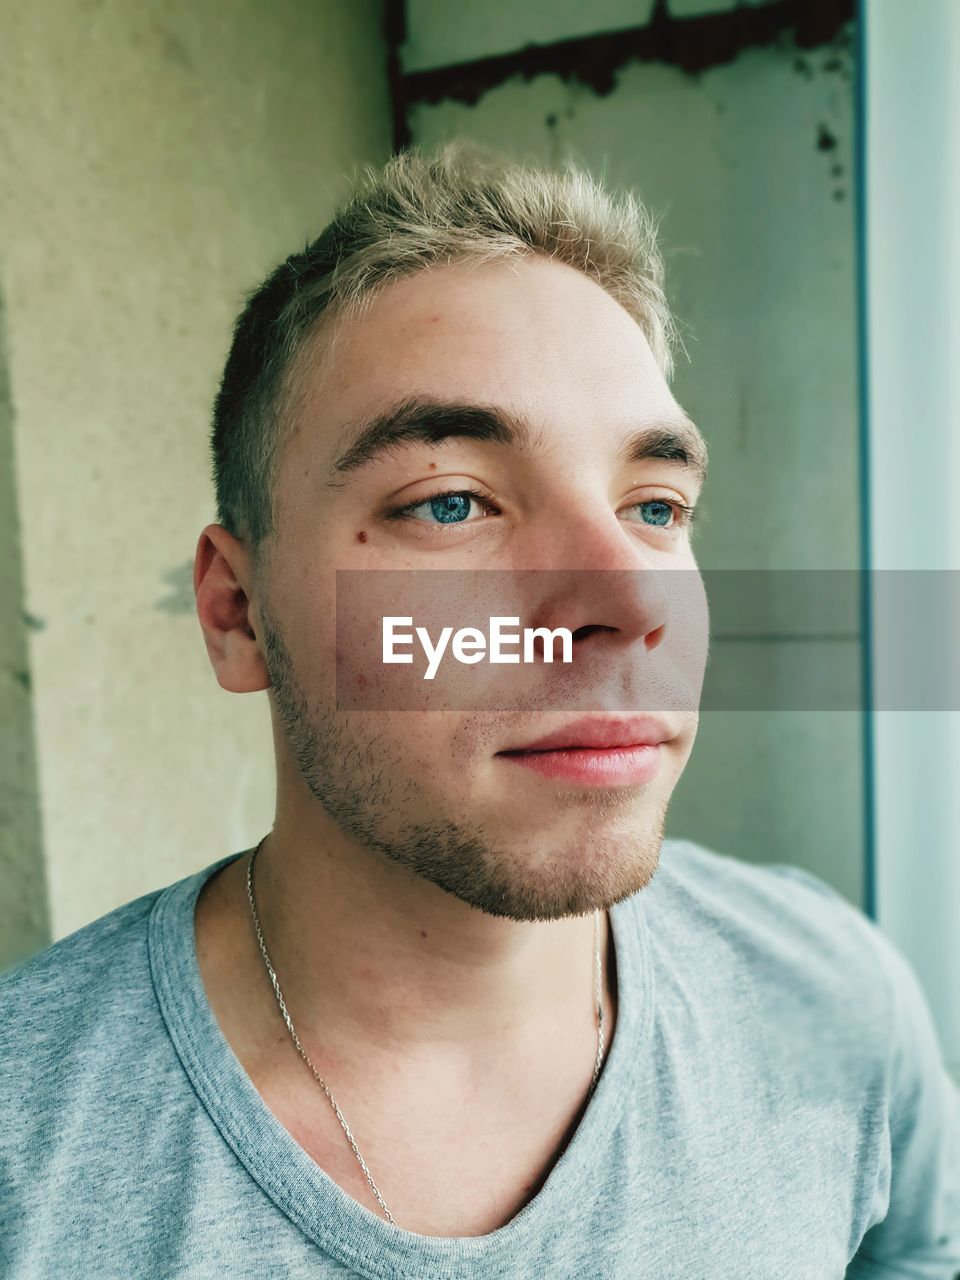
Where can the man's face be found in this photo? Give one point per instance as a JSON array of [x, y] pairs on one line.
[[561, 485]]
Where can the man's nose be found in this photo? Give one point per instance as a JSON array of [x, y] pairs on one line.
[[597, 577]]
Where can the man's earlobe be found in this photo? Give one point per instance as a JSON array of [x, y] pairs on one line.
[[222, 581]]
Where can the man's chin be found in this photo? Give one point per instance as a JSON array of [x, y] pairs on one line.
[[563, 893], [561, 826], [544, 875]]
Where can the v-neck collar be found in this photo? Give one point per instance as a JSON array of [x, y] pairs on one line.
[[299, 1187]]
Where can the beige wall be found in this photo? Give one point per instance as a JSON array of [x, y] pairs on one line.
[[24, 921], [155, 161]]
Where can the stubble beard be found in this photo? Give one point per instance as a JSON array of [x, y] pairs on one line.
[[363, 786]]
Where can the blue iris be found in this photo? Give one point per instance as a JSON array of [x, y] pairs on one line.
[[662, 511], [449, 508]]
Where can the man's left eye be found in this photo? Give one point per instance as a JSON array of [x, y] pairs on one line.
[[662, 513]]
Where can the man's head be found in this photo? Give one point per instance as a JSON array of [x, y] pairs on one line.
[[497, 336]]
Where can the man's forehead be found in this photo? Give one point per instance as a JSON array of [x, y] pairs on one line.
[[428, 342], [453, 310]]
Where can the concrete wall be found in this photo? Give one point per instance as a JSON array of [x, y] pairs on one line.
[[24, 919], [749, 163], [436, 39], [154, 163]]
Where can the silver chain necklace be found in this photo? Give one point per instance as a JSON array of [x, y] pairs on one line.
[[598, 996]]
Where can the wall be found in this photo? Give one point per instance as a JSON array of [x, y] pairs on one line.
[[154, 163], [749, 164], [24, 919]]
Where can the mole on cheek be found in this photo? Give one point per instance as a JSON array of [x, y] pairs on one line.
[[362, 536]]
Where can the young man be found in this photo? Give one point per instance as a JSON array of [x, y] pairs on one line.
[[463, 1012]]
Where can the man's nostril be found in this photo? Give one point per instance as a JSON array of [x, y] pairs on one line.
[[582, 632]]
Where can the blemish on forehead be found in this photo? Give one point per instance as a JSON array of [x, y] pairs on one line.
[[362, 536], [433, 466]]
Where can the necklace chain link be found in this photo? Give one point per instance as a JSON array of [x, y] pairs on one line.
[[274, 981]]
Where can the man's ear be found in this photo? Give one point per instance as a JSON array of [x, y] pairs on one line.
[[222, 577]]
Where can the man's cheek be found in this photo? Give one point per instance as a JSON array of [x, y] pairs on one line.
[[354, 680], [389, 643], [432, 749]]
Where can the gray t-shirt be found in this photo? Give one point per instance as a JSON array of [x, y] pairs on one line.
[[774, 1106]]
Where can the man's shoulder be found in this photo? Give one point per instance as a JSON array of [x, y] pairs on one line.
[[794, 936], [77, 978], [732, 890], [72, 1020], [110, 952]]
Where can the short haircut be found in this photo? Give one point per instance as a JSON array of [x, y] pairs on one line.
[[459, 203]]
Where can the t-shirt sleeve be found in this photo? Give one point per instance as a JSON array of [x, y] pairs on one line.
[[919, 1237]]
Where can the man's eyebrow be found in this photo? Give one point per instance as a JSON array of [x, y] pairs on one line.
[[424, 421], [430, 422], [674, 440]]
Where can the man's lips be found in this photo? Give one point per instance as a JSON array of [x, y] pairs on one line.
[[600, 732], [596, 752]]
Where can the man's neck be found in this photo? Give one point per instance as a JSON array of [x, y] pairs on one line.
[[373, 958]]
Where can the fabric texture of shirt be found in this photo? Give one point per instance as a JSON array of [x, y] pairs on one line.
[[774, 1106]]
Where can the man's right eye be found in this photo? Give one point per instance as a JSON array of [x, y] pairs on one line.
[[452, 506]]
